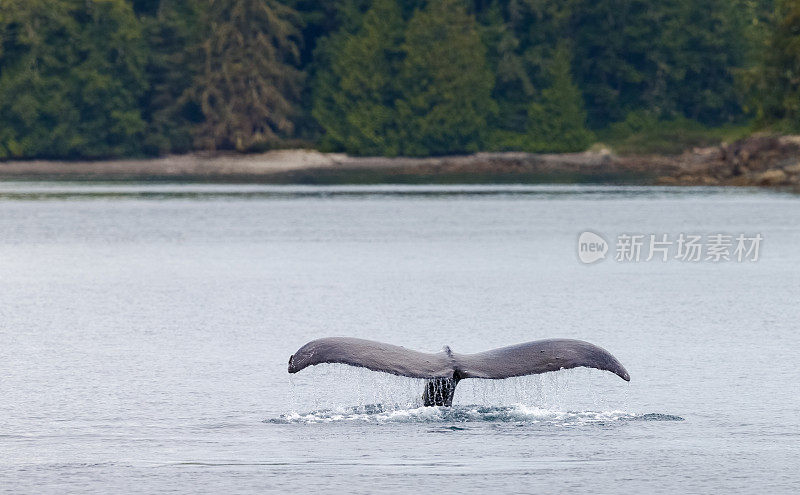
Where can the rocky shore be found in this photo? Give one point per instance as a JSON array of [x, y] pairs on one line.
[[770, 161]]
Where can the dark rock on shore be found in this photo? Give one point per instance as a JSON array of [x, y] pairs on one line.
[[770, 161]]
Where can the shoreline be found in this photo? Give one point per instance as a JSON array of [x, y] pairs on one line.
[[768, 161]]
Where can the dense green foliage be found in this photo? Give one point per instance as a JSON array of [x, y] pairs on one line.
[[248, 83], [445, 82], [775, 82], [355, 89], [71, 76], [101, 78], [171, 33], [556, 119]]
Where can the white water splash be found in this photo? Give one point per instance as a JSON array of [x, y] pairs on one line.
[[344, 393], [377, 414]]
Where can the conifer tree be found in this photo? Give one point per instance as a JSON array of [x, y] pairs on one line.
[[71, 75], [671, 57], [775, 83], [249, 83], [172, 28], [355, 97], [446, 82], [520, 36], [557, 120]]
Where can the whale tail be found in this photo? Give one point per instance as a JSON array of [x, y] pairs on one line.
[[443, 370], [439, 391]]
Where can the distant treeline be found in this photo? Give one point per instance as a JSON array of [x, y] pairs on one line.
[[104, 78]]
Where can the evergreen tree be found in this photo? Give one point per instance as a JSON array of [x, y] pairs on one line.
[[173, 28], [513, 85], [673, 57], [446, 82], [615, 46], [557, 120], [88, 78], [520, 36], [321, 20], [703, 44], [775, 83], [324, 26], [249, 82], [354, 101], [71, 75]]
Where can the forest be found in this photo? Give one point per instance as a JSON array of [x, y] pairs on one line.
[[118, 78]]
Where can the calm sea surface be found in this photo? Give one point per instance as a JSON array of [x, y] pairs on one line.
[[145, 331]]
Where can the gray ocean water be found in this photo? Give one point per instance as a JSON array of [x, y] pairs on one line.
[[145, 331]]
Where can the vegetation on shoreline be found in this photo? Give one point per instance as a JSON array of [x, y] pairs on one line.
[[112, 78], [642, 134]]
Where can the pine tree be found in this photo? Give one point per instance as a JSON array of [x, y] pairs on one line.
[[446, 82], [354, 101], [557, 121], [249, 83]]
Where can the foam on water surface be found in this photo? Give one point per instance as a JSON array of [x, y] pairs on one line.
[[520, 413], [338, 393]]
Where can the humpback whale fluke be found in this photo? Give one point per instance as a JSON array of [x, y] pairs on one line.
[[444, 369]]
